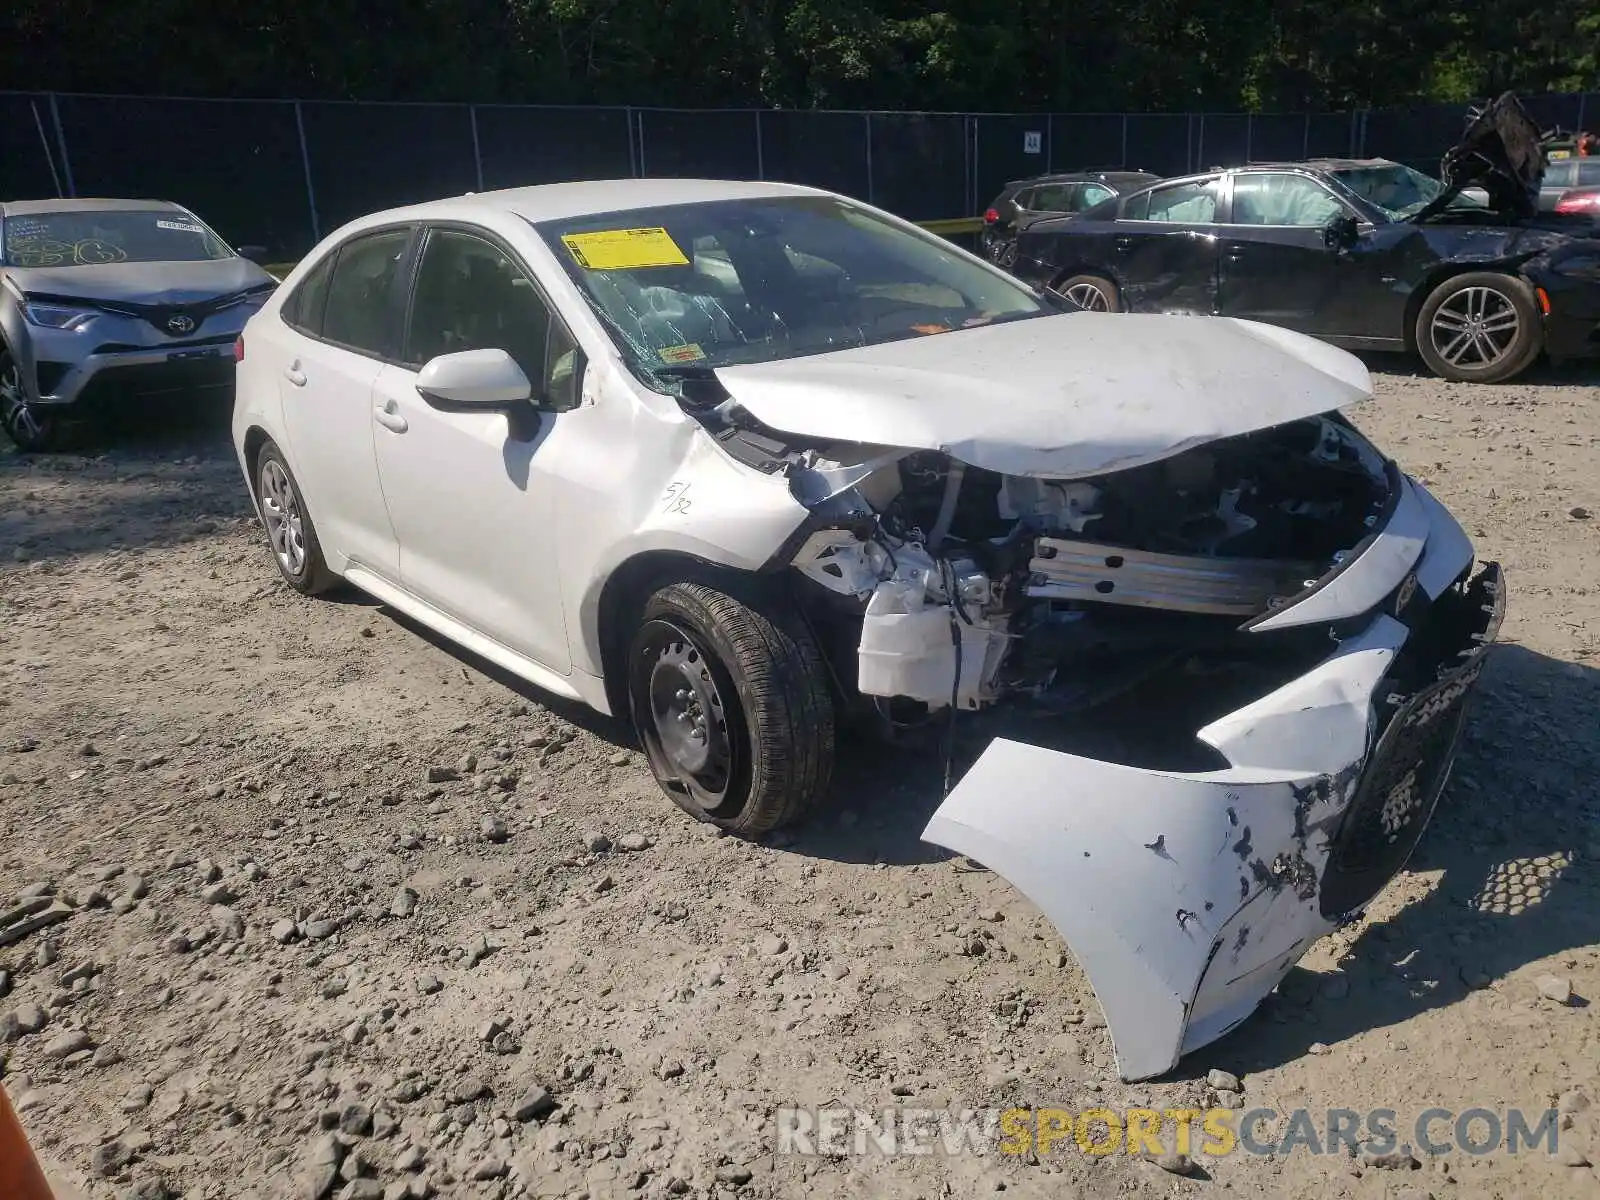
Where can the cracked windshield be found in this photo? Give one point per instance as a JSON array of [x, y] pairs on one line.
[[698, 286]]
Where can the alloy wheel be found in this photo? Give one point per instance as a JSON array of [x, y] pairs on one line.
[[1475, 328], [1087, 297], [18, 416], [280, 507]]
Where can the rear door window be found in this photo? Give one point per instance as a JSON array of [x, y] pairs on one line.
[[1182, 203], [1589, 172], [361, 295]]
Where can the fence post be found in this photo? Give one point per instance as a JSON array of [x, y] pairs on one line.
[[44, 144], [1049, 143], [866, 120], [61, 142], [633, 153], [1305, 143], [639, 116], [971, 144], [761, 162], [1249, 136], [477, 154], [1199, 143], [1124, 140], [305, 164]]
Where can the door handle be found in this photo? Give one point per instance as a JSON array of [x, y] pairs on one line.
[[1124, 243], [389, 417], [1236, 251], [294, 374]]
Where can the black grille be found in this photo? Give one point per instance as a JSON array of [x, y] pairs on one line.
[[1407, 769], [117, 385], [49, 375]]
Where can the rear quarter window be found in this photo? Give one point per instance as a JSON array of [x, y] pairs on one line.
[[304, 308]]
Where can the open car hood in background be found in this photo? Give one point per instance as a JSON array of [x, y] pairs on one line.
[[1501, 152], [1058, 397]]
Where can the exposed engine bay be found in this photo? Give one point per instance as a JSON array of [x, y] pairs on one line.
[[971, 586]]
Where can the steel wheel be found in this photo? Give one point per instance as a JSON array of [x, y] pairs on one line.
[[688, 720], [1475, 328], [280, 509], [1087, 297]]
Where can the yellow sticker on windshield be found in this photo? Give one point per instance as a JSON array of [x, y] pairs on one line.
[[681, 354], [624, 249]]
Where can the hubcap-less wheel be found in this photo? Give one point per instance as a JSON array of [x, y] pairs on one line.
[[688, 719], [1475, 328], [280, 507], [1087, 297]]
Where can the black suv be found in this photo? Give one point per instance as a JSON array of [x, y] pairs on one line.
[[1058, 195]]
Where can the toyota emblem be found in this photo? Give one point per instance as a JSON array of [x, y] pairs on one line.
[[180, 324]]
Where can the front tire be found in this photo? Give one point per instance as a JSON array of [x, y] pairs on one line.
[[1481, 327], [1090, 293], [293, 537], [34, 428], [729, 696]]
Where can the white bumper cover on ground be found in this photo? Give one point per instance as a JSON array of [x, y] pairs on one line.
[[1187, 897]]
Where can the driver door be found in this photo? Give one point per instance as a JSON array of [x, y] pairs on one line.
[[1277, 266], [471, 494]]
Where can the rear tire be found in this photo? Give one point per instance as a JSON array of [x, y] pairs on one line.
[[729, 697], [1482, 327], [290, 533], [34, 428], [1090, 293]]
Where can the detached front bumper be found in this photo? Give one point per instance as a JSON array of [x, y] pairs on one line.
[[1187, 897]]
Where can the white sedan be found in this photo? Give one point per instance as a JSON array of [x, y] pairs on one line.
[[742, 461]]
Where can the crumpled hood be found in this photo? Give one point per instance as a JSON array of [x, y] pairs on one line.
[[1059, 396], [1501, 151], [142, 283]]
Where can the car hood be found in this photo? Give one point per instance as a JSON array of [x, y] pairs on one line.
[[1500, 151], [1059, 396], [142, 283]]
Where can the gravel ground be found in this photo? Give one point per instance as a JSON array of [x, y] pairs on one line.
[[351, 914]]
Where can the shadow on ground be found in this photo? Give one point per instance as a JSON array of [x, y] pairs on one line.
[[1543, 373], [141, 481]]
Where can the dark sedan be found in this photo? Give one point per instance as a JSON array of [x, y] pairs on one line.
[[1369, 255], [1025, 201]]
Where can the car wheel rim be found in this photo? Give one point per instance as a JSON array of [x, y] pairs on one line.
[[1087, 297], [684, 720], [280, 507], [1475, 328], [18, 415]]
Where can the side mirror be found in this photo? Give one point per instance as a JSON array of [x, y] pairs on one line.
[[1341, 233], [255, 254], [474, 379]]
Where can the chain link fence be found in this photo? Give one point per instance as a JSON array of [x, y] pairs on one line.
[[283, 173]]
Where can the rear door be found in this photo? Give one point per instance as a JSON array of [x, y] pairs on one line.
[[1277, 266], [1165, 247], [342, 324]]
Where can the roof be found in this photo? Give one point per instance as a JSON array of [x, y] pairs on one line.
[[1322, 164], [1117, 178], [29, 208], [552, 201]]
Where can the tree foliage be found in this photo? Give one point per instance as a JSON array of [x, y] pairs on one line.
[[958, 55]]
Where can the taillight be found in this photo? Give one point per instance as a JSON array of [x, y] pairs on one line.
[[990, 217], [238, 349], [1589, 203]]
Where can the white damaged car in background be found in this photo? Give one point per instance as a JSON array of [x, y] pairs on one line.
[[746, 460]]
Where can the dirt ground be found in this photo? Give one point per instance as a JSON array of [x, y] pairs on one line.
[[234, 787]]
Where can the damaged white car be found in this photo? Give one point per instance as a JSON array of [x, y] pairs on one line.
[[745, 461]]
